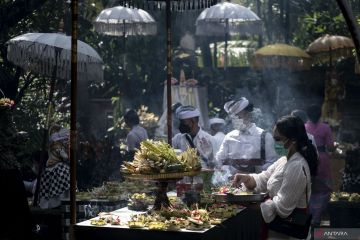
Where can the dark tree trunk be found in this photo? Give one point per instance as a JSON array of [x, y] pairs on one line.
[[287, 21], [351, 23], [258, 12], [269, 22], [282, 17]]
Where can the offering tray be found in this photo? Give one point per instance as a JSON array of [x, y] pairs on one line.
[[239, 198], [162, 181], [162, 176]]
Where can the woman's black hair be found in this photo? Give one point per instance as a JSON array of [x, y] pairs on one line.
[[131, 118], [293, 128], [314, 113], [301, 114]]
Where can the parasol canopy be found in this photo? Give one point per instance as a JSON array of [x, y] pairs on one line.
[[227, 18], [45, 53], [281, 56], [123, 21], [330, 47]]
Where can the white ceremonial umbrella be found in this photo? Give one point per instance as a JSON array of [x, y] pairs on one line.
[[227, 19], [49, 54], [124, 21]]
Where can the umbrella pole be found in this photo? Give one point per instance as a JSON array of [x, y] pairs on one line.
[[124, 46], [215, 55], [73, 133], [330, 59], [46, 130], [168, 71], [226, 46]]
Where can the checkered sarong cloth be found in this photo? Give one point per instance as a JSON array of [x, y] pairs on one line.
[[54, 181]]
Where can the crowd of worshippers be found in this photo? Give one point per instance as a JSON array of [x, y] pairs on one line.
[[259, 157], [295, 153]]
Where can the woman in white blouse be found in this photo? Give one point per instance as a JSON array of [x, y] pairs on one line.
[[285, 180]]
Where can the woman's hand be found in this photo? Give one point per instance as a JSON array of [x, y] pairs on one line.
[[246, 179]]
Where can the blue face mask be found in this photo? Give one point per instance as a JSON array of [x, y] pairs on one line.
[[279, 147]]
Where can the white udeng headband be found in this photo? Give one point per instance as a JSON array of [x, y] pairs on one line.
[[185, 112], [234, 107], [216, 121]]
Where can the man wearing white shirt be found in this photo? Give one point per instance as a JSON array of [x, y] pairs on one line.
[[217, 132], [191, 135], [248, 148]]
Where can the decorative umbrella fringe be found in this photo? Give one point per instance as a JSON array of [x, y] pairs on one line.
[[211, 28], [41, 59], [290, 63], [130, 29], [337, 54], [179, 5]]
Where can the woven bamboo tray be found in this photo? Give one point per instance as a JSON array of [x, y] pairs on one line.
[[162, 175]]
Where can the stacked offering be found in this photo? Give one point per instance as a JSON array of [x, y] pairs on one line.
[[158, 157]]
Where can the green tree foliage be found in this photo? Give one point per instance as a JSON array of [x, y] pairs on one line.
[[319, 18], [296, 21]]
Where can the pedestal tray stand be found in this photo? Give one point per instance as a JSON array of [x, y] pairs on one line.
[[162, 179]]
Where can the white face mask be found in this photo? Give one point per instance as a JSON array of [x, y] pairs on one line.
[[238, 124]]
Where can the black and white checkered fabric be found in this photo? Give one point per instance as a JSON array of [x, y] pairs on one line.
[[351, 178], [55, 181]]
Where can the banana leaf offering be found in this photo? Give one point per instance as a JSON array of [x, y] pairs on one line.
[[157, 157]]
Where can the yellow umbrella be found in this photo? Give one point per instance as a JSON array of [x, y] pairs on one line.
[[281, 56], [330, 47]]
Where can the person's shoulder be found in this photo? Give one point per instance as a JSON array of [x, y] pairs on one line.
[[325, 126], [255, 129], [280, 162], [233, 133], [219, 135], [261, 131], [177, 136], [131, 135], [204, 133], [143, 129], [296, 160]]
